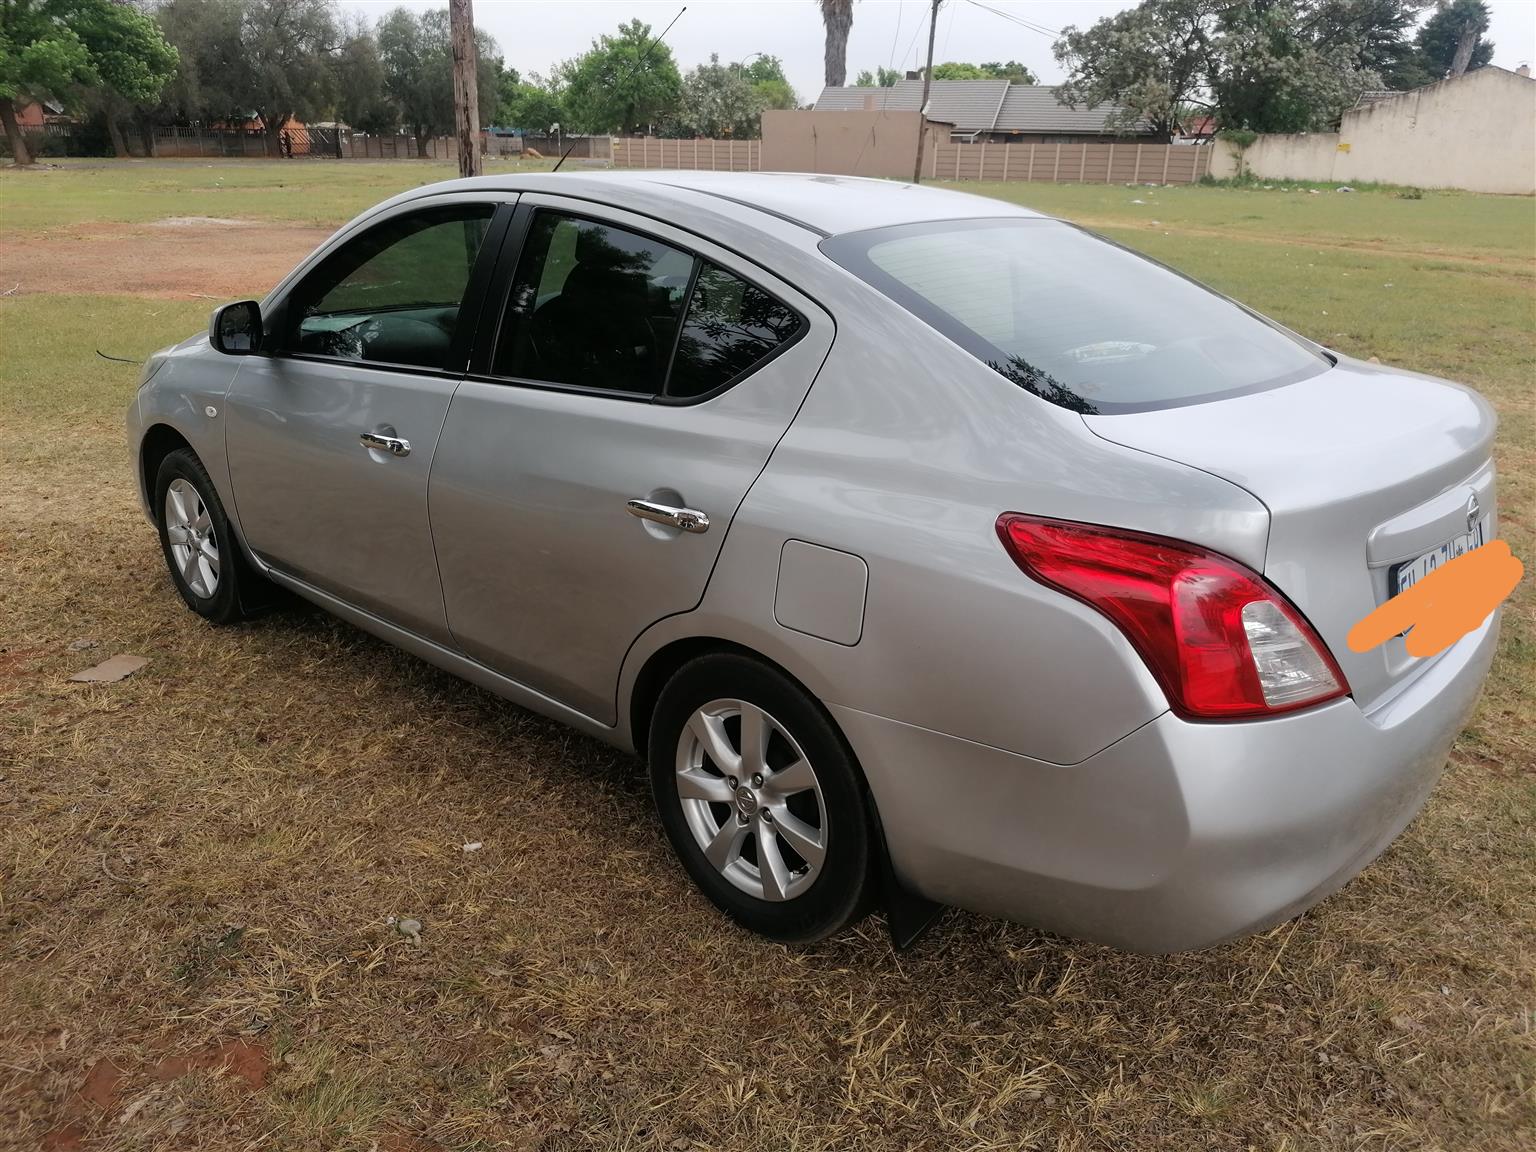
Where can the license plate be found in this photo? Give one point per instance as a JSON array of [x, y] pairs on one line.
[[1409, 573]]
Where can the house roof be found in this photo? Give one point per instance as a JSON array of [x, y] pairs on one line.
[[976, 106]]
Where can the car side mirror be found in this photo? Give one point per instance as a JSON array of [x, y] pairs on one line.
[[235, 329]]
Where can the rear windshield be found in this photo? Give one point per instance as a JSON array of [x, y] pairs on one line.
[[1074, 319]]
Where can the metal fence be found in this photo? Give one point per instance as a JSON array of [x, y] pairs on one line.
[[709, 155], [1126, 162]]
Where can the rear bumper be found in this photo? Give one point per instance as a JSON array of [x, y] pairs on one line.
[[1179, 836]]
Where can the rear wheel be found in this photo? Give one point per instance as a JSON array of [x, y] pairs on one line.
[[200, 549], [760, 799]]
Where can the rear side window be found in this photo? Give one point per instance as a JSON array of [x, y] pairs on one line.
[[1072, 318], [596, 306], [729, 328], [593, 305]]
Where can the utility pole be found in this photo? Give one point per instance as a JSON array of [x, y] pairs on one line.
[[922, 107], [466, 94]]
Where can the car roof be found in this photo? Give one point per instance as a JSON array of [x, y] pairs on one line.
[[825, 204]]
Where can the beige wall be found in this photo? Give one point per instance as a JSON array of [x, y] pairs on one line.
[[1477, 132], [845, 143]]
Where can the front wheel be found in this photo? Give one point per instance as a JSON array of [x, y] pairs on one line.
[[200, 549], [761, 799]]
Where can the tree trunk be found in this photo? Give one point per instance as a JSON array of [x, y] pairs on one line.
[[466, 93], [13, 132], [421, 142], [1464, 48], [837, 15], [147, 134], [115, 131]]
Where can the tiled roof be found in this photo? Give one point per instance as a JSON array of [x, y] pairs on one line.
[[975, 106]]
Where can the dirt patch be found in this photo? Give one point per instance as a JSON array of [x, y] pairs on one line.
[[101, 1084], [240, 1058], [180, 256]]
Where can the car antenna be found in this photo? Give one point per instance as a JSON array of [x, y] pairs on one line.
[[639, 60]]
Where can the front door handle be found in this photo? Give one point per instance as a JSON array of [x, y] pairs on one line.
[[394, 445], [688, 519]]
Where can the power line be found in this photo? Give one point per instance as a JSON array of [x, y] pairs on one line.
[[1015, 19]]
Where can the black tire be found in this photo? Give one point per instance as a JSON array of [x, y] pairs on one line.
[[839, 893], [235, 576]]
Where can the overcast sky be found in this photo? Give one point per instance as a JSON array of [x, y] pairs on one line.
[[533, 35]]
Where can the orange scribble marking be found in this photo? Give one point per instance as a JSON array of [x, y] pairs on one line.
[[1444, 606]]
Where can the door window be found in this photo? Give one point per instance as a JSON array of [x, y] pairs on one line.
[[730, 326], [594, 306], [393, 294]]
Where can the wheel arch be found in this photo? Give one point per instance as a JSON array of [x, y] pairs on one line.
[[158, 442]]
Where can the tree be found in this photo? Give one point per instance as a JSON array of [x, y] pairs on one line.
[[1012, 71], [623, 82], [93, 51], [837, 18], [719, 100], [1151, 60], [1263, 65], [214, 72], [1288, 65], [416, 53], [362, 99], [289, 45], [533, 107], [766, 75], [880, 78], [1444, 32]]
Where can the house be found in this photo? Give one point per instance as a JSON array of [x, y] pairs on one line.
[[988, 111], [1197, 130]]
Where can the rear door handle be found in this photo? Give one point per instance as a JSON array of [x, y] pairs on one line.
[[688, 519], [394, 445]]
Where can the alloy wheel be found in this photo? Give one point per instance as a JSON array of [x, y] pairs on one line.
[[194, 545], [751, 799]]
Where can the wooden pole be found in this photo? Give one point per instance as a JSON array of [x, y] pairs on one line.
[[922, 107], [466, 95]]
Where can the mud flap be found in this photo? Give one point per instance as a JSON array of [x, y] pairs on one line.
[[907, 915]]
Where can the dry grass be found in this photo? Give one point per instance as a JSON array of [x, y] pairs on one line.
[[212, 848]]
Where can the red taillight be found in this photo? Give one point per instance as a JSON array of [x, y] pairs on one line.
[[1222, 642]]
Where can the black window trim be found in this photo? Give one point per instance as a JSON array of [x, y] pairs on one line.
[[471, 305], [488, 334]]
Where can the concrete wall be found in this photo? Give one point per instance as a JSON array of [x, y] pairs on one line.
[[1476, 132], [863, 143]]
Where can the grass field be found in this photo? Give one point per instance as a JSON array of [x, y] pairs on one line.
[[197, 864]]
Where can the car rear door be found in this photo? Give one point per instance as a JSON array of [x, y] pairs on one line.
[[331, 431], [624, 360]]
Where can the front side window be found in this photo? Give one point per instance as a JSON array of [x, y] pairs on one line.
[[393, 294], [594, 306], [1074, 319]]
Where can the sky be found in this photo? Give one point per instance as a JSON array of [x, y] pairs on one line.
[[533, 35]]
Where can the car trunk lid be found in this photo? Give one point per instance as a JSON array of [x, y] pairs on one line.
[[1362, 469]]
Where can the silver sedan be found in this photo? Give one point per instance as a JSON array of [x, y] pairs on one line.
[[932, 551]]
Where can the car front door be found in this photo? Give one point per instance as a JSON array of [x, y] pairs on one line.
[[331, 433], [632, 362]]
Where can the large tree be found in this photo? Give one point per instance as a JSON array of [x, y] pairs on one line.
[[531, 105], [719, 100], [837, 18], [69, 50], [290, 45], [130, 59], [1151, 60], [1264, 65], [416, 53], [362, 100], [622, 83], [1444, 32], [766, 75]]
